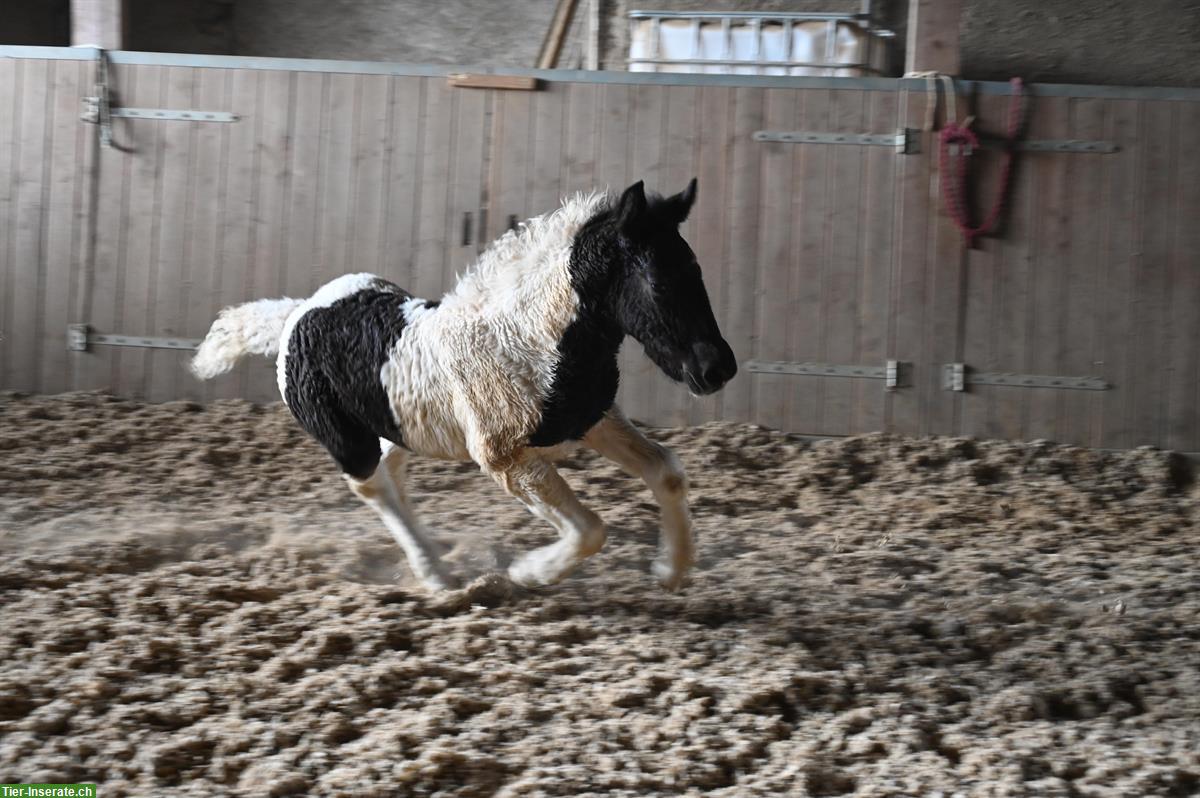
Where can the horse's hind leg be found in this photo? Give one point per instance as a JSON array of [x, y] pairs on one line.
[[619, 441], [546, 494], [383, 491]]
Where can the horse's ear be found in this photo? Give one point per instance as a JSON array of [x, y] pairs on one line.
[[681, 203], [631, 208]]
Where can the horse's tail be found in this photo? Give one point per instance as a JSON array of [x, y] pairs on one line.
[[252, 328]]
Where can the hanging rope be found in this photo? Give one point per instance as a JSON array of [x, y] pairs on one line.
[[953, 165]]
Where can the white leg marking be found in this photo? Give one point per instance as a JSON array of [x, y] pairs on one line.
[[619, 441], [540, 488], [384, 493]]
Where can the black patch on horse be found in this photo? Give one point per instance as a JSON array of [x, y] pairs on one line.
[[586, 377], [332, 370]]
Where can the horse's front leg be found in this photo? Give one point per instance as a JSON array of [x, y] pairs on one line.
[[619, 441], [540, 488]]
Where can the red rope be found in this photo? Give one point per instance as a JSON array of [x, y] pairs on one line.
[[954, 168]]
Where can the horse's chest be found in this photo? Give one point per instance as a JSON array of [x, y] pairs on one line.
[[583, 389]]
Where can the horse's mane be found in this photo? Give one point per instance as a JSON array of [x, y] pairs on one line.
[[524, 260]]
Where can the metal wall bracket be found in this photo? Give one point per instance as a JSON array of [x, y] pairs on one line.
[[898, 140], [892, 373], [92, 113], [1049, 145], [957, 376], [80, 337]]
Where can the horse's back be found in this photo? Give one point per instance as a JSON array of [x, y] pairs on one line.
[[333, 349]]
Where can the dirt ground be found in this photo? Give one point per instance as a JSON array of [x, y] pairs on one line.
[[192, 603]]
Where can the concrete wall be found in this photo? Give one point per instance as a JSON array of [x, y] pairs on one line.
[[1121, 42], [35, 22]]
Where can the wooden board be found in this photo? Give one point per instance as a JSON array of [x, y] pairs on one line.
[[200, 298], [1182, 429], [30, 175], [165, 369], [1118, 243], [402, 183], [808, 262], [774, 313], [1146, 374], [915, 206], [742, 248], [874, 283], [842, 277]]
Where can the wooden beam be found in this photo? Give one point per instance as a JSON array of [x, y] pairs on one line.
[[557, 34], [474, 81], [933, 36], [98, 23]]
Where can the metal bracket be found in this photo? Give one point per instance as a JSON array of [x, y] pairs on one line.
[[99, 110], [1049, 145], [80, 337], [92, 112], [957, 376], [892, 373], [166, 113], [899, 140]]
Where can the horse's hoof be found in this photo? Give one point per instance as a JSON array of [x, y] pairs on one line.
[[527, 574], [668, 575]]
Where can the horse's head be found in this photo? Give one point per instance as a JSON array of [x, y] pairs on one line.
[[659, 296]]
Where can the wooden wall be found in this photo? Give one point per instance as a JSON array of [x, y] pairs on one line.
[[812, 252]]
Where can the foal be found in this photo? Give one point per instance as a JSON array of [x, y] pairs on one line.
[[517, 364]]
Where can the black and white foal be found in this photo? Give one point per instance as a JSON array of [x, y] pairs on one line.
[[514, 366]]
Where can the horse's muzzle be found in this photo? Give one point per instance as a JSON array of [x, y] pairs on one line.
[[712, 366]]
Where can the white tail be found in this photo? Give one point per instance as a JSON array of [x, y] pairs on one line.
[[252, 328]]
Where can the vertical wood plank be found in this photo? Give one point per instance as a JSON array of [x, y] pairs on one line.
[[1078, 410], [810, 205], [1051, 248], [96, 368], [1183, 365], [165, 370], [1151, 275], [403, 188], [1121, 219], [508, 187], [370, 158], [11, 70], [83, 227], [874, 268], [466, 190], [200, 298], [437, 120], [67, 174], [273, 182], [238, 209], [742, 247], [982, 262], [27, 264], [547, 162], [709, 218], [942, 342], [842, 278], [338, 126], [582, 137], [913, 224], [774, 313]]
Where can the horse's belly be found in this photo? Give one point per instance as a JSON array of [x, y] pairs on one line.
[[423, 404]]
